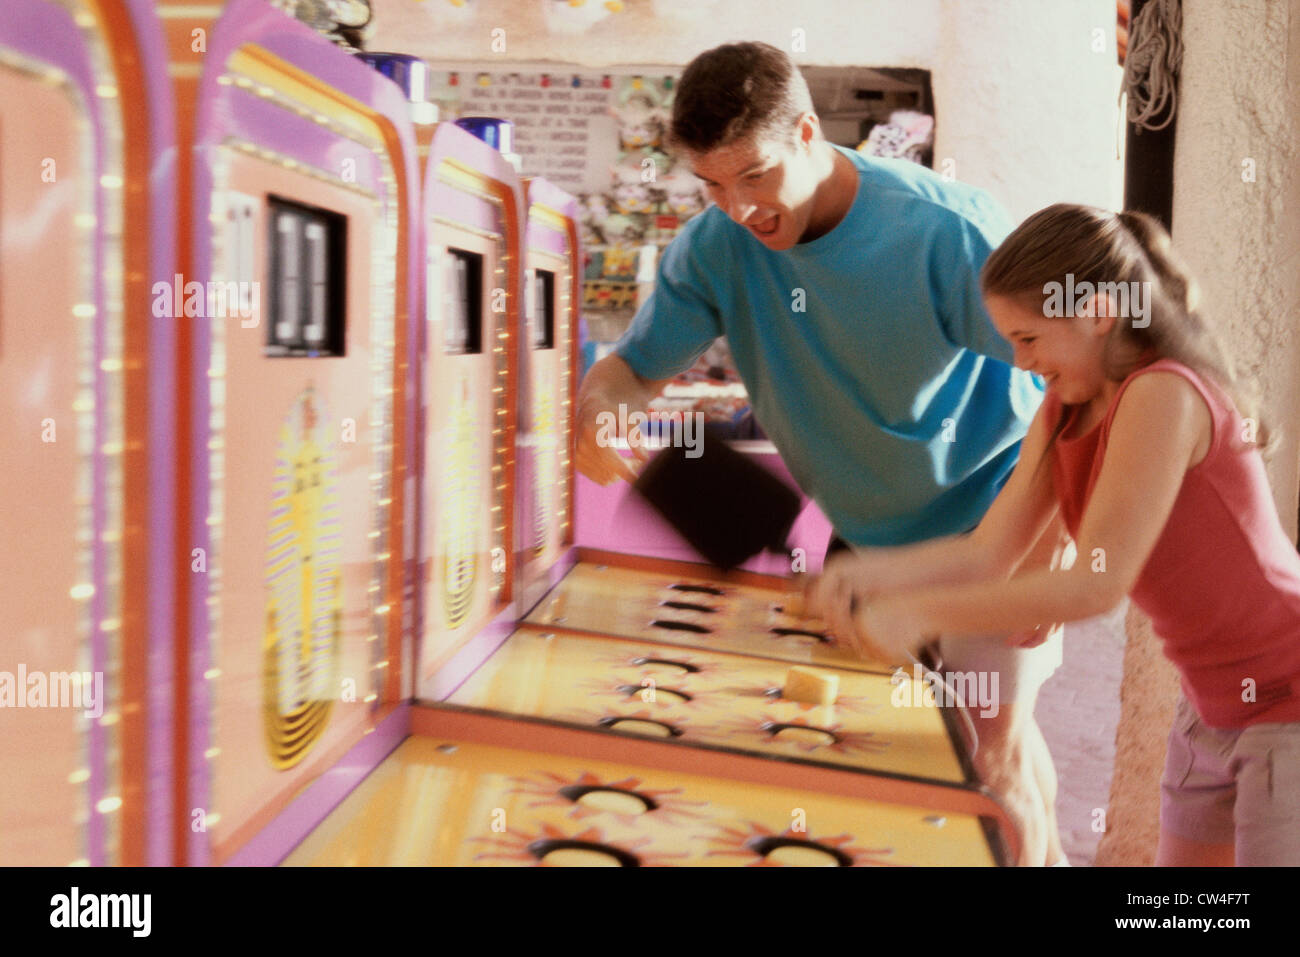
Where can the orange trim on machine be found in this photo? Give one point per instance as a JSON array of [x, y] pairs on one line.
[[125, 55], [184, 68], [397, 530], [575, 367], [448, 721], [515, 282]]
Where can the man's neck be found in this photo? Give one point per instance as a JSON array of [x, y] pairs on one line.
[[834, 195]]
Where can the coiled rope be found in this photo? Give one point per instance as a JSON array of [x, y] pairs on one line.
[[1155, 52]]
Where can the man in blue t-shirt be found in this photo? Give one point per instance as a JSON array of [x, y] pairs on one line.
[[847, 288]]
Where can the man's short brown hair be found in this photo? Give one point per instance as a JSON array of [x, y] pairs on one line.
[[736, 91]]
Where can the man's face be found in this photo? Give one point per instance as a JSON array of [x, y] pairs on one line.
[[766, 185]]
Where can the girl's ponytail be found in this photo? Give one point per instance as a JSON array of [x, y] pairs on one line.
[[1176, 282]]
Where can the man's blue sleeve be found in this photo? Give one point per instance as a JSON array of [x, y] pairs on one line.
[[961, 245], [676, 324]]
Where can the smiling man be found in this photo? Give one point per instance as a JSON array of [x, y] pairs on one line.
[[847, 288]]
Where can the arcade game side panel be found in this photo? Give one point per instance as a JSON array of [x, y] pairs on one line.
[[301, 214], [548, 351], [473, 208], [84, 575]]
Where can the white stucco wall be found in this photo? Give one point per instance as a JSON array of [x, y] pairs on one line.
[[1025, 107], [850, 32], [1024, 104], [1240, 238]]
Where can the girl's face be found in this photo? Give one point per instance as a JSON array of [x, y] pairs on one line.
[[1068, 352]]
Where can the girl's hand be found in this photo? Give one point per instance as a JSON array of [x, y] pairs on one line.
[[885, 630], [845, 582], [1035, 636]]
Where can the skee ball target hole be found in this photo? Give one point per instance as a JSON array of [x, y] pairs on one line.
[[818, 636], [682, 667], [670, 625], [793, 852], [632, 690], [688, 606], [566, 853], [615, 800], [697, 589], [645, 726], [802, 733]]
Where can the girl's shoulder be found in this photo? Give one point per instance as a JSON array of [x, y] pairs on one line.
[[1178, 382], [1168, 388]]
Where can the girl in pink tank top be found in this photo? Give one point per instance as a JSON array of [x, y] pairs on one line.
[[1150, 451]]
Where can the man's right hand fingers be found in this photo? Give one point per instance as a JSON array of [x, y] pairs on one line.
[[602, 465]]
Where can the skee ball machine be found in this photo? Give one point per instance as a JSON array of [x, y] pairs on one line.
[[548, 387], [301, 194], [85, 365], [472, 208]]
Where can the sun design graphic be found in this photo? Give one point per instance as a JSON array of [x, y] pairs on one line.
[[805, 735], [791, 848], [551, 846], [300, 647], [589, 794]]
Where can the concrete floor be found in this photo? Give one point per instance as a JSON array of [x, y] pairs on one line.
[[1078, 710]]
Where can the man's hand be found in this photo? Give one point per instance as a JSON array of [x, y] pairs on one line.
[[609, 384], [596, 453]]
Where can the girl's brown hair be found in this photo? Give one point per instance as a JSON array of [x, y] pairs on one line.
[[1099, 247]]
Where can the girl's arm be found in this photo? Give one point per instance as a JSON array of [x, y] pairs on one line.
[[1009, 530], [1157, 429]]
